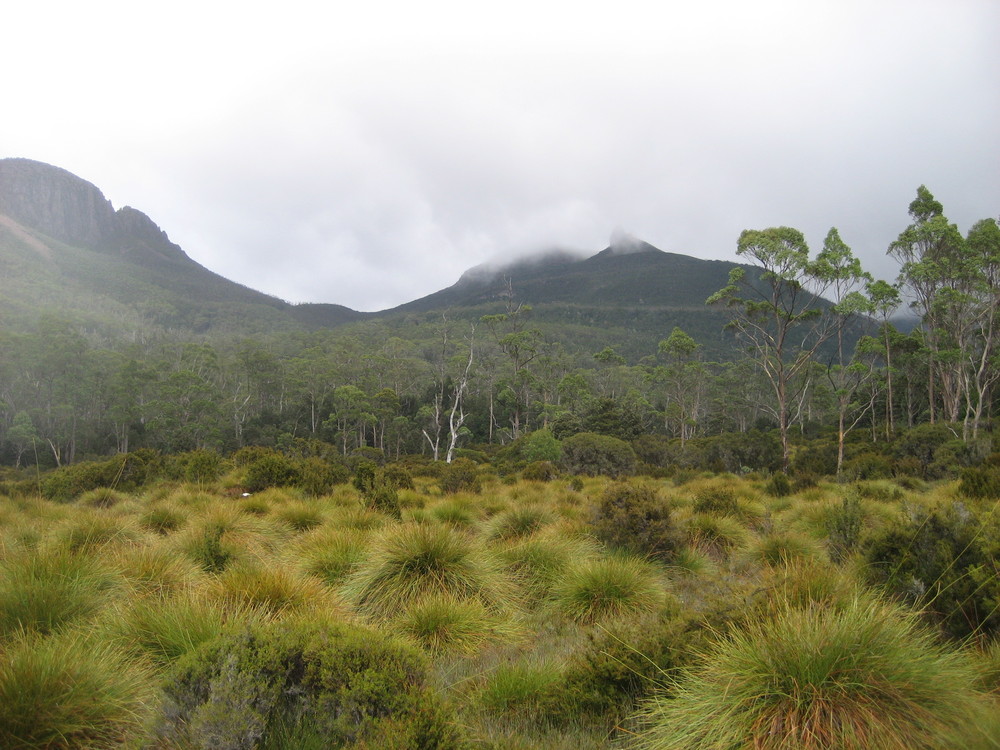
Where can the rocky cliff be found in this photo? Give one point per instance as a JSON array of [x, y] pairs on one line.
[[72, 210]]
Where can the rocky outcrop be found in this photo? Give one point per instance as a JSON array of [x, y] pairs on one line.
[[72, 210]]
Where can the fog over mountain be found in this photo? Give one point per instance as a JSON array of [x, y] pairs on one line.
[[369, 155]]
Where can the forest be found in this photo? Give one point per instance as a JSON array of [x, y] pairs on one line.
[[456, 530]]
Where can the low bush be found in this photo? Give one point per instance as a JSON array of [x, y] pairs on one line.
[[348, 686], [271, 470], [942, 560], [633, 517], [594, 455], [461, 475]]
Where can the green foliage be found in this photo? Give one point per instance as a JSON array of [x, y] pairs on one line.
[[779, 485], [540, 471], [198, 466], [271, 470], [844, 523], [943, 561], [861, 677], [123, 472], [461, 475], [592, 454], [352, 687], [541, 445], [633, 517], [981, 482], [378, 489], [622, 664], [318, 476]]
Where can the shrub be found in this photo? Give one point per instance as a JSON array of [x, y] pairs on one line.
[[541, 445], [380, 493], [861, 677], [623, 663], [843, 528], [398, 476], [351, 687], [592, 454], [271, 470], [198, 466], [540, 471], [980, 482], [779, 485], [461, 475], [318, 477], [70, 692], [940, 560], [631, 516], [124, 472]]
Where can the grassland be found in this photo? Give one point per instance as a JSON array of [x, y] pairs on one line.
[[576, 613]]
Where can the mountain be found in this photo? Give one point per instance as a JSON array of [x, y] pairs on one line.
[[628, 296], [64, 249]]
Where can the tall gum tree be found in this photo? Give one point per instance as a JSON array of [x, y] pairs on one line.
[[777, 313]]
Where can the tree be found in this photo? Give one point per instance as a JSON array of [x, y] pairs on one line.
[[937, 273], [770, 306], [685, 379]]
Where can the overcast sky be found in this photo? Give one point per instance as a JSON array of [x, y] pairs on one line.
[[367, 153]]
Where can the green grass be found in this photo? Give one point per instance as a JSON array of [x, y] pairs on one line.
[[71, 692], [415, 560], [862, 677], [43, 591], [608, 588]]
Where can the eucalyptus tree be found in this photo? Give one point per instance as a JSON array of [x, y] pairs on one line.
[[777, 313], [685, 379], [938, 275], [983, 366], [840, 271], [521, 345]]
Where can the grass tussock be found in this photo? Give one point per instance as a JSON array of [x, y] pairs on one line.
[[44, 591], [71, 692], [608, 588], [416, 560], [862, 677]]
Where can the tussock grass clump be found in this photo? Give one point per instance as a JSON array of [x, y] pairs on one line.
[[780, 547], [863, 677], [444, 624], [416, 560], [43, 591], [301, 516], [162, 519], [608, 588], [521, 687], [70, 692], [517, 522], [538, 561], [719, 535], [331, 554], [155, 570], [272, 588], [166, 629], [102, 497], [93, 531]]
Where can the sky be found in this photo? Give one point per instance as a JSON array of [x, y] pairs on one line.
[[366, 154]]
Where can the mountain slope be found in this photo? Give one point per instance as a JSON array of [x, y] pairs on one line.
[[64, 249]]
